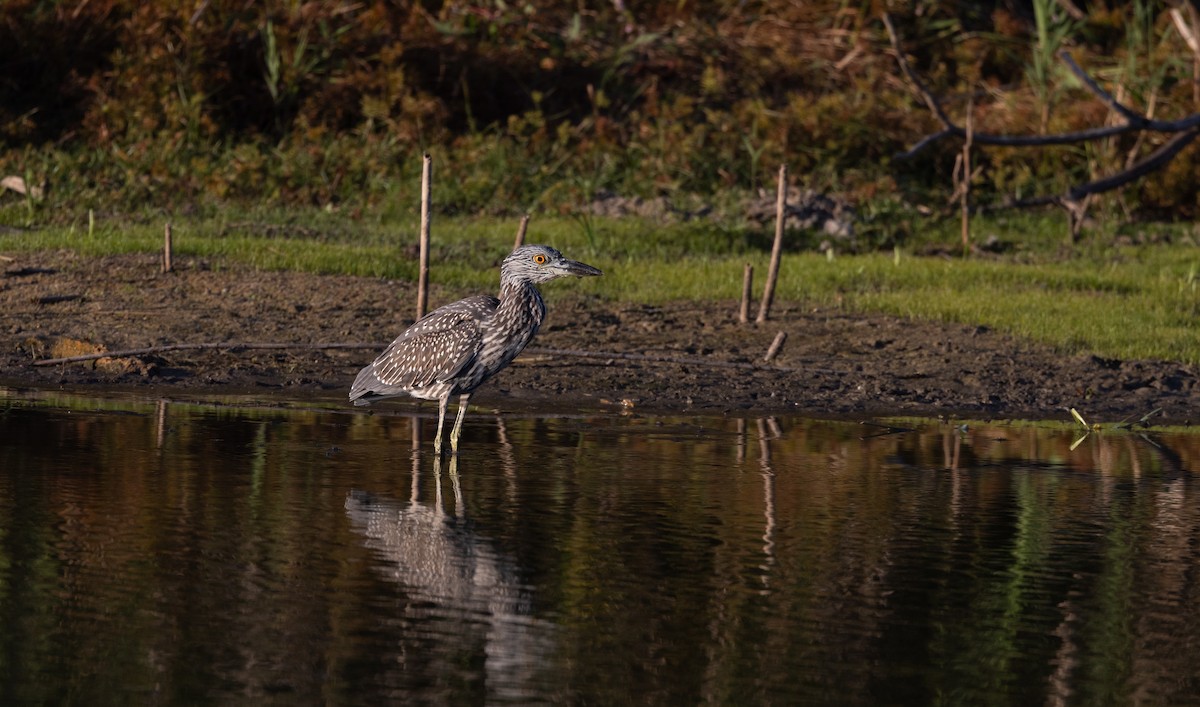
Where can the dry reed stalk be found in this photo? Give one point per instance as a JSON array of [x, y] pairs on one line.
[[167, 247], [966, 179], [747, 283], [423, 273], [776, 249], [521, 232]]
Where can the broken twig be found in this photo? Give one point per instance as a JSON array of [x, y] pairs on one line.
[[166, 259], [521, 232], [242, 346], [747, 283], [227, 345], [776, 345]]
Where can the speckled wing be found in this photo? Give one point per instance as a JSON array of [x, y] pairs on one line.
[[434, 349]]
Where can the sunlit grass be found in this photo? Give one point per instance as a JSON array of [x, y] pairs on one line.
[[1122, 302]]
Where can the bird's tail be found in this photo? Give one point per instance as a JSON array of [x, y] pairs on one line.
[[361, 392], [368, 388]]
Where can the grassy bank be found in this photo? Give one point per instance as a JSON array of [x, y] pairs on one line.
[[1121, 301]]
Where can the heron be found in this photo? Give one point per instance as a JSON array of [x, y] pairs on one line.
[[456, 348]]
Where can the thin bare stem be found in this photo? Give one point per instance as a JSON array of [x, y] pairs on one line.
[[747, 283], [521, 232], [966, 180], [423, 273], [776, 345], [764, 307], [167, 247]]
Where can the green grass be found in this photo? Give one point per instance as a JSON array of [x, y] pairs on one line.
[[1121, 302]]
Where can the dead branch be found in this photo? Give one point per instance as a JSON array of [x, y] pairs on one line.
[[667, 359], [1151, 162], [226, 345], [1184, 131], [776, 345], [521, 232], [1189, 29], [236, 346], [1134, 121]]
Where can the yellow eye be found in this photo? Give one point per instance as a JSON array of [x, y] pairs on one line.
[[539, 259]]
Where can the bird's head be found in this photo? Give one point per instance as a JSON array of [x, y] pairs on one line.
[[539, 263]]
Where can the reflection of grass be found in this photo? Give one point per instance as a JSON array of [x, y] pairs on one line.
[[1056, 421], [1125, 302]]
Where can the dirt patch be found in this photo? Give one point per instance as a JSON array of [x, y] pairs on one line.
[[685, 357]]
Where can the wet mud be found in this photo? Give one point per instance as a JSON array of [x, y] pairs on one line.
[[687, 357]]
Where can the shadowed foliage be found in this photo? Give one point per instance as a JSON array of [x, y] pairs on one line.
[[125, 103]]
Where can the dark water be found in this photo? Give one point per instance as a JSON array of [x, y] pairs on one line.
[[171, 553]]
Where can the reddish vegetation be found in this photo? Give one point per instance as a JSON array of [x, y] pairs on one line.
[[120, 104]]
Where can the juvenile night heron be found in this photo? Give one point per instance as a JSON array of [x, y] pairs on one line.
[[455, 348]]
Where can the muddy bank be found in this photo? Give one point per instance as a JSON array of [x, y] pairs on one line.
[[686, 357]]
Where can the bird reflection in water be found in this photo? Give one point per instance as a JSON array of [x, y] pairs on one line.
[[462, 591]]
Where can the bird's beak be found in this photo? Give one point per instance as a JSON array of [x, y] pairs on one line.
[[571, 267]]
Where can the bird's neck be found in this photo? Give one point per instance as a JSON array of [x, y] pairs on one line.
[[522, 297]]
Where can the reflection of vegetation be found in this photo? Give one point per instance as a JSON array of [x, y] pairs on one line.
[[221, 563]]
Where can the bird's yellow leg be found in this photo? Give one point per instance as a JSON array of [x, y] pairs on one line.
[[462, 413], [437, 441]]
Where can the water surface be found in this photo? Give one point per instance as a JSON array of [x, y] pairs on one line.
[[183, 553]]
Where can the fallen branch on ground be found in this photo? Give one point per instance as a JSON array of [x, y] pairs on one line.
[[234, 346], [149, 350], [1184, 131], [1133, 120], [662, 359]]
